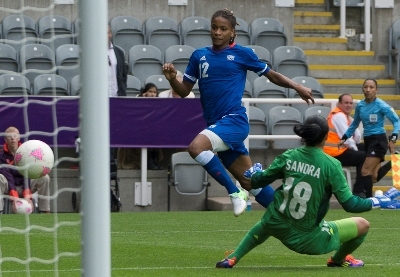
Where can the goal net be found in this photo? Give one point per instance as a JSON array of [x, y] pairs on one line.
[[53, 87]]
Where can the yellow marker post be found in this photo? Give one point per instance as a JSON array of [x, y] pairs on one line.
[[396, 170]]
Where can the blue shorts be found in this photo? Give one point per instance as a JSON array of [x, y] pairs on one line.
[[233, 130]]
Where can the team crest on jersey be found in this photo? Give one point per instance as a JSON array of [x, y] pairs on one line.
[[230, 57], [203, 58]]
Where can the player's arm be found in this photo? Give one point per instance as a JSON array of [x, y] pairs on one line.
[[181, 88], [283, 81]]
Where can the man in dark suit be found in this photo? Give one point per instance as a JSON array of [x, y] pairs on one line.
[[118, 69]]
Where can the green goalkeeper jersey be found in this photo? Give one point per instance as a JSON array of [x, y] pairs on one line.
[[310, 177]]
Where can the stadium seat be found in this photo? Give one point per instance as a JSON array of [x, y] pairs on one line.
[[75, 86], [264, 88], [281, 120], [196, 90], [144, 61], [242, 32], [67, 61], [264, 55], [36, 59], [50, 84], [195, 31], [248, 90], [319, 110], [8, 59], [187, 176], [160, 81], [76, 27], [258, 126], [162, 32], [268, 32], [133, 86], [127, 31], [55, 30], [19, 30], [14, 84], [290, 61], [179, 55], [394, 49], [310, 82]]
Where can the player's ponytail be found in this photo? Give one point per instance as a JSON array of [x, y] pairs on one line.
[[313, 131]]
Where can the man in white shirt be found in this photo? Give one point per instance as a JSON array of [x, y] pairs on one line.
[[171, 93]]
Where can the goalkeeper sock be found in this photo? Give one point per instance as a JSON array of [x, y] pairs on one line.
[[264, 196], [253, 238], [214, 167], [384, 170]]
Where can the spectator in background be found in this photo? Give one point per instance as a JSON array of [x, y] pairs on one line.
[[130, 158], [16, 185], [117, 74], [349, 155], [171, 93], [372, 111]]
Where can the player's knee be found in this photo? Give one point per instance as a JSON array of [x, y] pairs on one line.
[[362, 225]]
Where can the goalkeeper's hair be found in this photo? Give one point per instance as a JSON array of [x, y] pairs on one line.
[[313, 131]]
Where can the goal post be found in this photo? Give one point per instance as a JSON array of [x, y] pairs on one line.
[[95, 139]]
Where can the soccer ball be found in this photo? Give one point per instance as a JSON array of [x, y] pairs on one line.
[[34, 158], [22, 206]]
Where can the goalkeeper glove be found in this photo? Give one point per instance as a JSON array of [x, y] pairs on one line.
[[257, 167], [392, 193], [380, 202]]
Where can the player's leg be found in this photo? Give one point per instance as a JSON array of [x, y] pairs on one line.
[[42, 186], [201, 149], [367, 170], [264, 196], [352, 232], [256, 236]]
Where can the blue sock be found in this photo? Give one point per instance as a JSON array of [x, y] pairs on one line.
[[264, 196], [215, 168]]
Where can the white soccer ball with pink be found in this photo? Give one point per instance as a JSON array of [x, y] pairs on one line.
[[22, 206], [34, 159]]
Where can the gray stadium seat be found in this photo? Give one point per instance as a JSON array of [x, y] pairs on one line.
[[127, 31], [196, 90], [8, 59], [36, 59], [162, 32], [248, 90], [14, 84], [50, 84], [258, 126], [195, 31], [291, 61], [310, 82], [319, 110], [264, 88], [133, 86], [264, 55], [144, 61], [75, 86], [67, 61], [281, 120], [268, 32], [187, 176], [179, 55], [242, 32], [17, 28], [76, 27], [55, 30], [160, 81]]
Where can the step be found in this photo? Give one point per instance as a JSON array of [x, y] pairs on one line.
[[339, 57], [313, 17], [355, 82], [321, 43], [309, 2], [347, 70], [316, 27], [392, 100]]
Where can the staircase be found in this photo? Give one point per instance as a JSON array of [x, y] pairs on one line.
[[330, 60]]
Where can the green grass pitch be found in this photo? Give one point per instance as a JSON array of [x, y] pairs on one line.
[[188, 244]]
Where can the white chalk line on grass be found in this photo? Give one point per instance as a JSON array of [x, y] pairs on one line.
[[192, 267]]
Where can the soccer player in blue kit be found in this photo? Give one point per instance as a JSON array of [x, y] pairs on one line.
[[221, 71], [372, 112]]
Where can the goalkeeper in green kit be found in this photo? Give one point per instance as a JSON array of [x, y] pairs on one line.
[[296, 216]]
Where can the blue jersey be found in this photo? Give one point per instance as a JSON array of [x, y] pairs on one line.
[[221, 77], [372, 115]]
